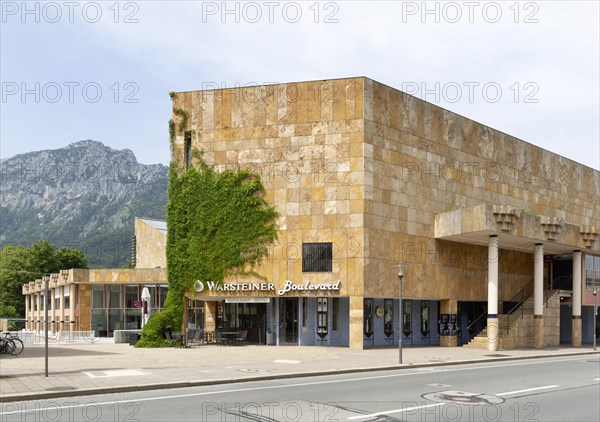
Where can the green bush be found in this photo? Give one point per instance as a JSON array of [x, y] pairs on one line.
[[153, 331]]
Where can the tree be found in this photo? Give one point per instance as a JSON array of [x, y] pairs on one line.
[[218, 224], [71, 258], [20, 264]]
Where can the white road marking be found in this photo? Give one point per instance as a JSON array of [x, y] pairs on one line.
[[469, 367], [596, 379], [293, 362], [388, 412], [528, 389]]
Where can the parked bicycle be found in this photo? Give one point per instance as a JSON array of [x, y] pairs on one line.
[[11, 344]]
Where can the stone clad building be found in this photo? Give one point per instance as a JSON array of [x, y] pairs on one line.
[[498, 237]]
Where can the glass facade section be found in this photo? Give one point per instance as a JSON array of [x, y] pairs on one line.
[[98, 297]]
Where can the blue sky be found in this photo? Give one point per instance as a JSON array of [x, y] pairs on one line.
[[103, 70]]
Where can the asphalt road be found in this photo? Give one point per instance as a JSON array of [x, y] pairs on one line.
[[549, 389]]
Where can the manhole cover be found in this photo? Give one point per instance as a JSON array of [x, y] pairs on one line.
[[463, 397], [61, 389]]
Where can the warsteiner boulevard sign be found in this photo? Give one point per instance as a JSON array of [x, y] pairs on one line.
[[289, 286]]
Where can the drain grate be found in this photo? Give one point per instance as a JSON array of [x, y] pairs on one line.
[[497, 355], [252, 370]]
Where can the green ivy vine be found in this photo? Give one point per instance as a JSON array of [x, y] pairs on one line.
[[184, 118], [219, 224]]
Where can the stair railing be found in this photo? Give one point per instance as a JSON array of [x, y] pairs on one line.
[[557, 281], [520, 298], [517, 309]]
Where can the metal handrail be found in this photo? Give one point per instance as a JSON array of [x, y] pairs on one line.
[[523, 295], [528, 286], [559, 278]]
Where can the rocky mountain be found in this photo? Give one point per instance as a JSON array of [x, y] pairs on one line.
[[83, 196]]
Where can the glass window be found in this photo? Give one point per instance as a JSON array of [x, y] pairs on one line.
[[67, 294], [114, 320], [131, 295], [316, 257], [592, 271], [335, 314], [163, 295], [42, 300], [98, 297], [589, 262], [406, 317], [114, 296], [388, 317], [57, 298], [322, 316], [368, 317], [99, 322]]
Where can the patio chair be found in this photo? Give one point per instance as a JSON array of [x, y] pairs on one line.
[[219, 339], [241, 337]]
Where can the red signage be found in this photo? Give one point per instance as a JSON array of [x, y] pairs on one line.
[[137, 304]]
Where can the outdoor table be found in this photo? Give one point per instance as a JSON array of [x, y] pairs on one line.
[[229, 337]]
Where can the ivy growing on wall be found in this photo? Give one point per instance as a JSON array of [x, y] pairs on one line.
[[219, 224], [184, 118]]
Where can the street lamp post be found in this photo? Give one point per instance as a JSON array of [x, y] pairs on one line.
[[595, 315], [46, 304], [400, 277]]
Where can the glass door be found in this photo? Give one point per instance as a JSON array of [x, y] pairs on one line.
[[288, 321]]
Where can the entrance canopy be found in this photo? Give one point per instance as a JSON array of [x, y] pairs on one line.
[[516, 230]]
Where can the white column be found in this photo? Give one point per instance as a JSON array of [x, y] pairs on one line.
[[577, 285], [538, 280], [538, 296], [492, 320], [39, 312], [52, 314], [72, 292], [62, 309], [27, 311], [493, 277]]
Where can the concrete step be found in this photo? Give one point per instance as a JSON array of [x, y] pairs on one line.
[[507, 336]]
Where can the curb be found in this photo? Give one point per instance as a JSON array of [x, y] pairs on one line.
[[203, 383]]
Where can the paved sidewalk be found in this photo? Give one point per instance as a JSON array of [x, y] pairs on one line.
[[107, 368]]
